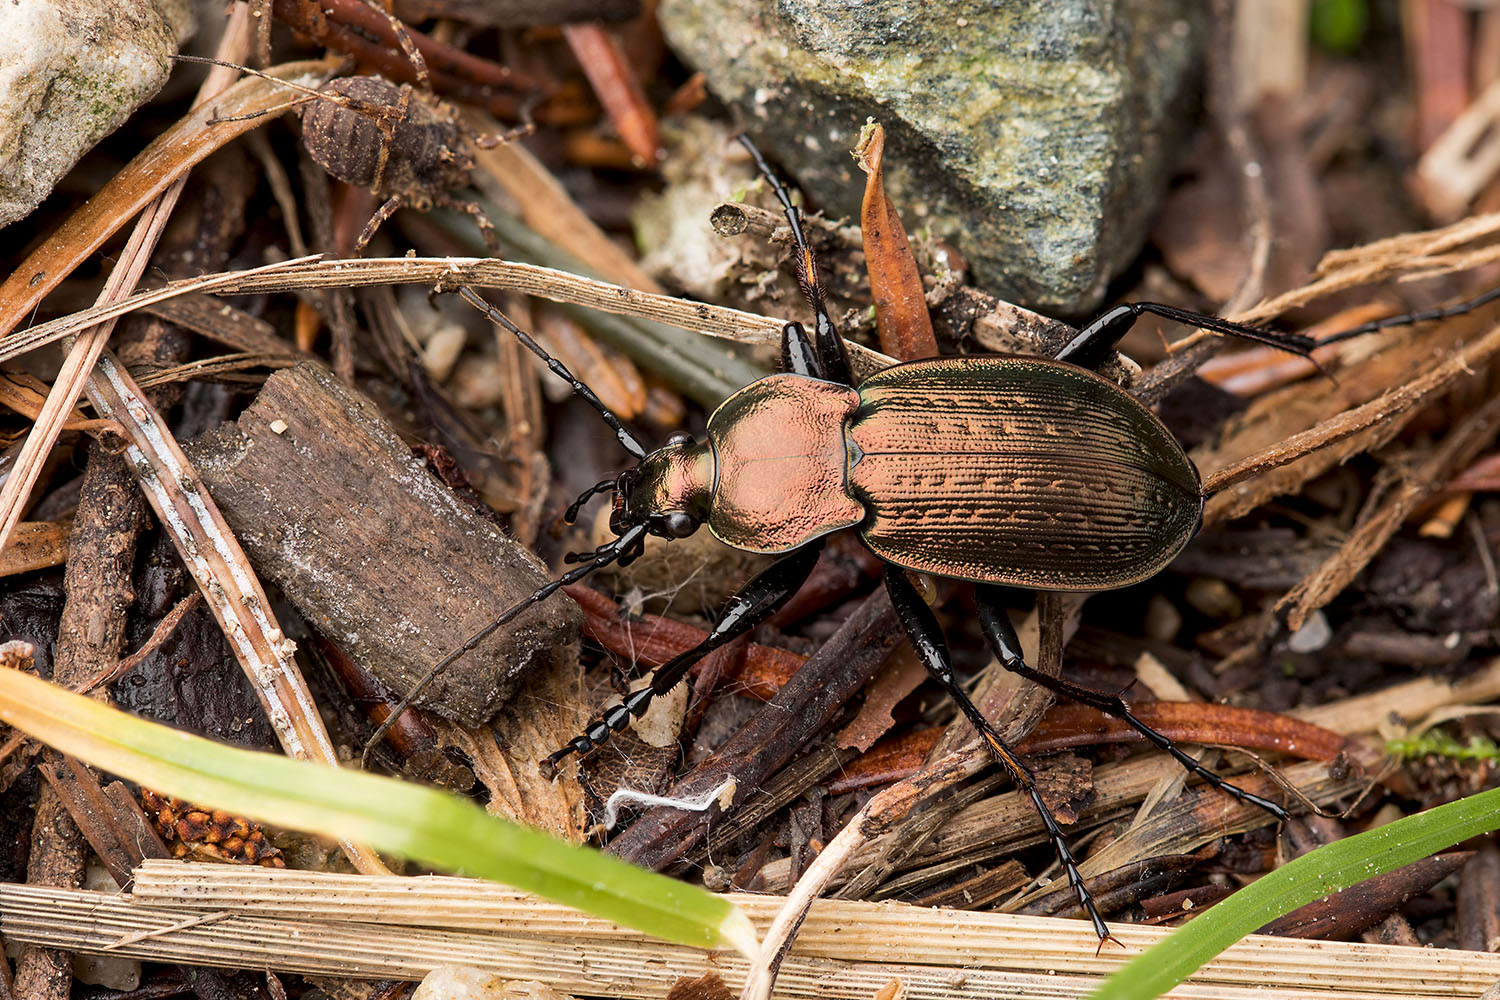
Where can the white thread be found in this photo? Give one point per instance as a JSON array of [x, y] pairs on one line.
[[723, 795]]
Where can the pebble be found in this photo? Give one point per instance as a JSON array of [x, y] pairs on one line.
[[71, 72]]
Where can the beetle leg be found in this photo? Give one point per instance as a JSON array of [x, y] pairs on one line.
[[831, 353], [486, 227], [752, 604], [798, 355], [927, 638], [603, 556], [1089, 347], [1002, 636], [1092, 343]]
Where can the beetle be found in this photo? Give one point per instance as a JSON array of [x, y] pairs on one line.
[[1000, 470]]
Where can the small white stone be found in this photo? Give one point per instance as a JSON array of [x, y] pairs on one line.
[[71, 72], [442, 350], [278, 426], [463, 983], [1314, 634]]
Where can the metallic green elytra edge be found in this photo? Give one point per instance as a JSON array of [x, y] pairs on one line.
[[1319, 873], [422, 824]]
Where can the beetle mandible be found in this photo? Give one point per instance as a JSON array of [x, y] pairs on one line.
[[1000, 470]]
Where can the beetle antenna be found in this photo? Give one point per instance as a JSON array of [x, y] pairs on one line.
[[604, 555], [627, 439], [1406, 319], [310, 92]]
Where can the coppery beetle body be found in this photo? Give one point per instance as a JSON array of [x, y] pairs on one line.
[[997, 469]]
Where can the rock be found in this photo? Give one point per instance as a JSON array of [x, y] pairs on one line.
[[1035, 135], [71, 71]]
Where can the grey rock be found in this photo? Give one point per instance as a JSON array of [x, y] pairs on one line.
[[1035, 134], [71, 71]]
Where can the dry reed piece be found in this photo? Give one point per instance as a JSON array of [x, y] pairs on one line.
[[401, 928]]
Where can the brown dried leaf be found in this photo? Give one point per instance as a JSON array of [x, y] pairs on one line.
[[617, 87], [895, 283]]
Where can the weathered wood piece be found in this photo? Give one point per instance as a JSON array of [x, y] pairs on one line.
[[373, 550]]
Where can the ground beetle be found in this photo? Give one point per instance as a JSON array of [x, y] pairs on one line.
[[1001, 470]]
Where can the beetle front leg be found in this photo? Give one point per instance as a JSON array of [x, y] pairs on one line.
[[927, 638], [1007, 646], [752, 604], [830, 360]]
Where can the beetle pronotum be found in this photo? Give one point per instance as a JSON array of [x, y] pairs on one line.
[[1000, 470]]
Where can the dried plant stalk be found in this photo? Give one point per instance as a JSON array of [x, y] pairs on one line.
[[389, 927]]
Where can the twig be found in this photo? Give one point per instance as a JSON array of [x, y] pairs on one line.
[[1457, 449], [1376, 413], [213, 555], [100, 560], [446, 273]]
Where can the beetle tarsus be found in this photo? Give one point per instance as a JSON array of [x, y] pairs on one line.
[[605, 555], [1406, 319], [1096, 339], [756, 601]]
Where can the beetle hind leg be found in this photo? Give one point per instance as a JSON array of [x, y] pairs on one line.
[[927, 638], [1002, 637], [486, 227], [384, 212], [1095, 340]]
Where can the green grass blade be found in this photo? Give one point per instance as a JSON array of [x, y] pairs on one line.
[[1313, 876], [423, 824]]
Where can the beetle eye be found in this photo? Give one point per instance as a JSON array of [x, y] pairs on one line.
[[679, 525], [679, 438]]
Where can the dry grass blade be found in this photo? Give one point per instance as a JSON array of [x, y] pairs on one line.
[[1458, 449], [202, 538], [545, 205], [152, 182], [212, 554], [402, 928], [170, 156], [1410, 256], [1358, 429], [1007, 822], [617, 87], [446, 273]]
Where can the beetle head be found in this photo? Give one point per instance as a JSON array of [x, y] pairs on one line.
[[668, 492]]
